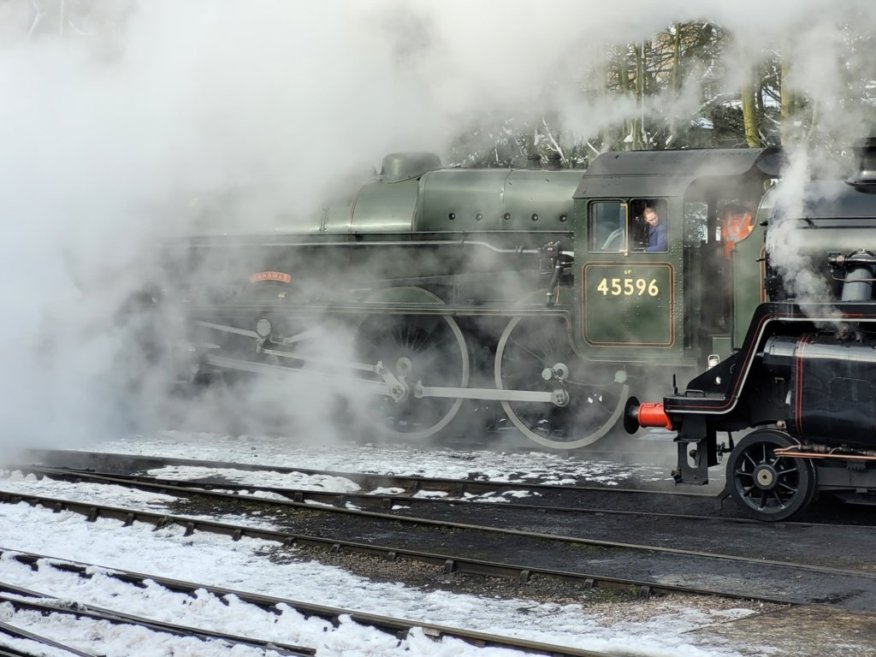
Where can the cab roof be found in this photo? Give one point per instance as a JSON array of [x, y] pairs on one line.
[[670, 173]]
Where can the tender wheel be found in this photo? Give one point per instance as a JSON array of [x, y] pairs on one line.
[[535, 354], [766, 486], [415, 348]]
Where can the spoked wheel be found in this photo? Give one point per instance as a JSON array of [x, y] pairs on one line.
[[535, 354], [766, 486], [415, 348]]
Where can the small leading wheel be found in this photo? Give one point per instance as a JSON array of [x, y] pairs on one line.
[[766, 486], [535, 354], [416, 348]]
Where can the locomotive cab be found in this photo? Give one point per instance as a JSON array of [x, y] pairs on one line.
[[676, 301]]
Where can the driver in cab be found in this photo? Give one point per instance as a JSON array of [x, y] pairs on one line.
[[658, 239]]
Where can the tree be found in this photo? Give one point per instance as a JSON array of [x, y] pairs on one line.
[[750, 116]]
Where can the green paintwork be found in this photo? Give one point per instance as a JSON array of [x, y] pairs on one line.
[[721, 347], [411, 197], [475, 226], [496, 200], [385, 208], [403, 296], [691, 309], [639, 297], [407, 166], [748, 272]]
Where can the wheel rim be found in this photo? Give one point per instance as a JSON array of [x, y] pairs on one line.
[[768, 486], [526, 349], [427, 348]]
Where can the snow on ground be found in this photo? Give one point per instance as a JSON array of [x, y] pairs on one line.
[[123, 496], [313, 482], [143, 500], [519, 467], [266, 478], [86, 492], [657, 630]]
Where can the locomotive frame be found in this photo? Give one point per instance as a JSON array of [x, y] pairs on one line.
[[511, 280]]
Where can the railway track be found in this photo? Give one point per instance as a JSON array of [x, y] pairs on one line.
[[456, 546], [124, 462], [14, 631], [372, 491], [22, 599], [397, 627], [661, 520]]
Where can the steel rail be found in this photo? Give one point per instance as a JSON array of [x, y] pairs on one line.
[[444, 524], [381, 502], [52, 604], [450, 563], [14, 630], [62, 458], [395, 626], [185, 491]]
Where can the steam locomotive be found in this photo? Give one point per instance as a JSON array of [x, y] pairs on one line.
[[530, 294], [803, 381]]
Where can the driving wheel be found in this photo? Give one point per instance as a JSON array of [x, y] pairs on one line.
[[415, 348], [536, 354]]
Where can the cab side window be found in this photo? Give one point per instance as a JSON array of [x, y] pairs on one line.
[[608, 226], [696, 223], [736, 224], [650, 226]]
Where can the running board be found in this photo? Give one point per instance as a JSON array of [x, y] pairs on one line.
[[378, 387], [396, 390]]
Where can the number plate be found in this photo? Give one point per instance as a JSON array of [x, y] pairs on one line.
[[628, 304]]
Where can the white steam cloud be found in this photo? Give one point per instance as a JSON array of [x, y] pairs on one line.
[[118, 116]]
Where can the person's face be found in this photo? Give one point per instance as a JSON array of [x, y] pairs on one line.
[[651, 217]]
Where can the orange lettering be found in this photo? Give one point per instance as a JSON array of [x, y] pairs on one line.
[[276, 276]]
